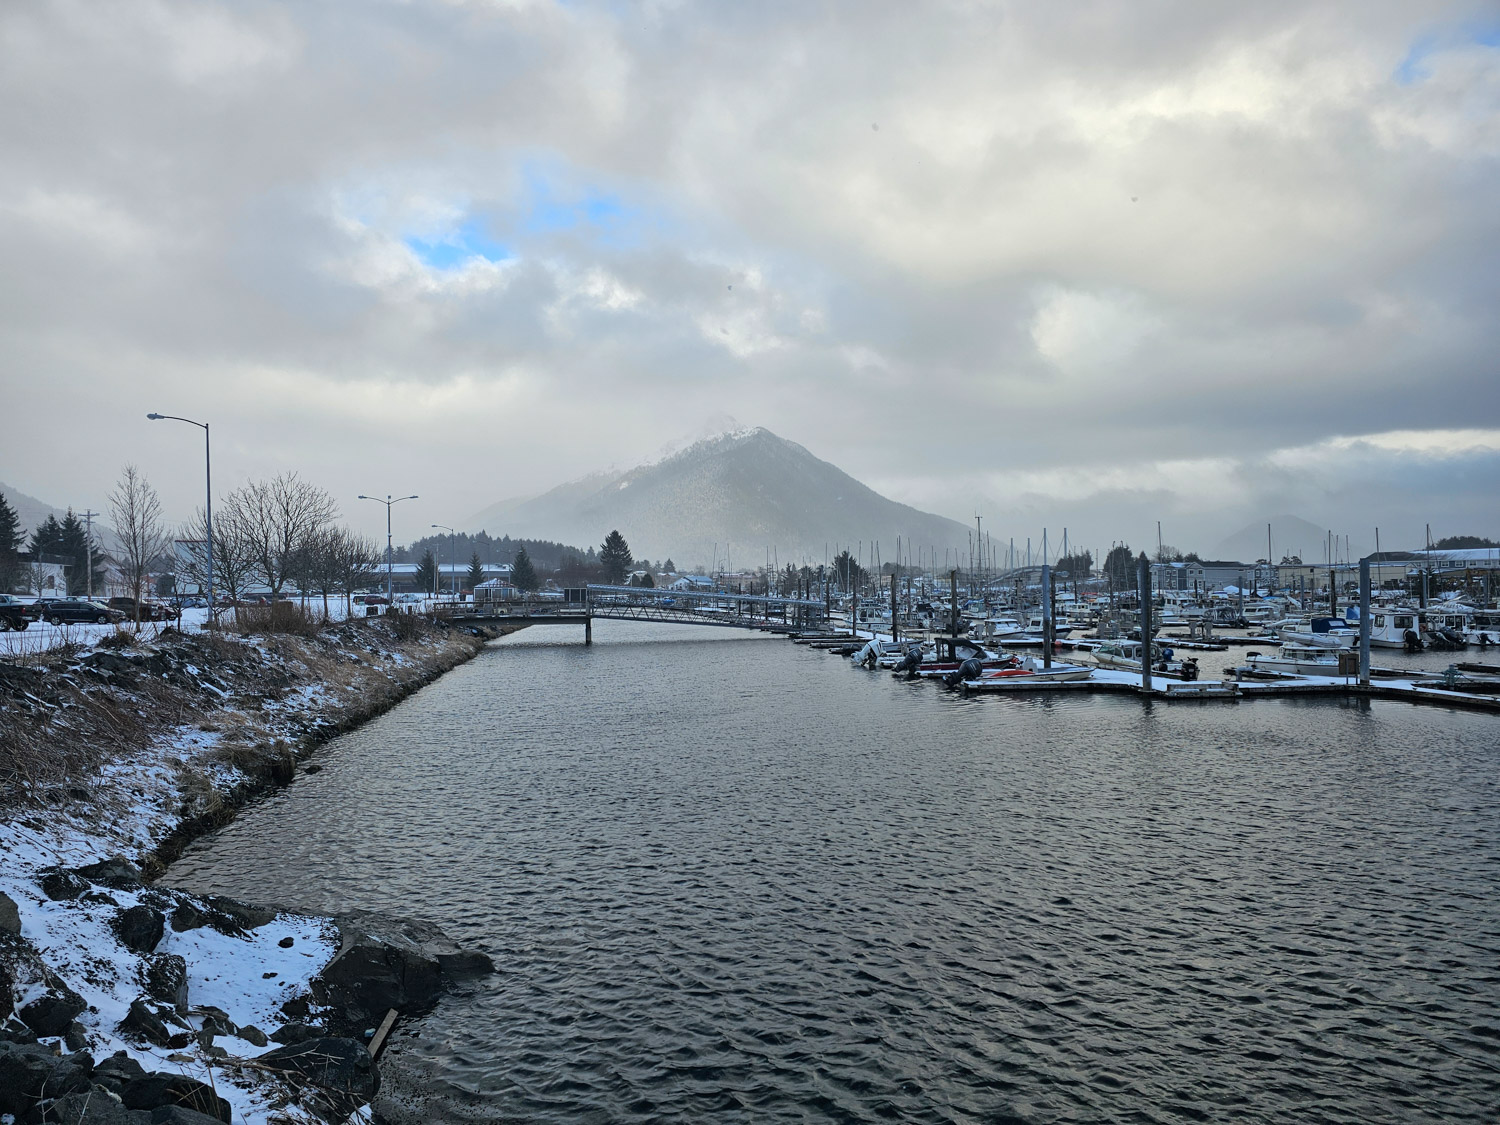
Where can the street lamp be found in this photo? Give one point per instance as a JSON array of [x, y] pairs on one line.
[[208, 501], [452, 556], [389, 596]]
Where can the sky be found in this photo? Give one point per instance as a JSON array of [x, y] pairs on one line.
[[1091, 265]]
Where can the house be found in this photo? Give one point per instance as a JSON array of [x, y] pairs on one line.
[[692, 582]]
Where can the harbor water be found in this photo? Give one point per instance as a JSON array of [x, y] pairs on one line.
[[729, 878]]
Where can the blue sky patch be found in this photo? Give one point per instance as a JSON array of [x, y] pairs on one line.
[[1414, 67], [459, 246]]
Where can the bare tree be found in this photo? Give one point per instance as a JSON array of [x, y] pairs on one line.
[[280, 517], [136, 510], [233, 565], [352, 559]]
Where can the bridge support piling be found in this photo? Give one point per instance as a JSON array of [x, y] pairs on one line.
[[588, 629]]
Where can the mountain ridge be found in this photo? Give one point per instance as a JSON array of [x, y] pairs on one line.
[[736, 493]]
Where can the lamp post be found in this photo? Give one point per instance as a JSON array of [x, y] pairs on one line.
[[208, 502], [388, 502], [452, 556]]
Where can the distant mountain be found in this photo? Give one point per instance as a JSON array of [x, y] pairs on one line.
[[1290, 535], [29, 510], [739, 492]]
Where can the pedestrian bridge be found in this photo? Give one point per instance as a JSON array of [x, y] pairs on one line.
[[581, 606]]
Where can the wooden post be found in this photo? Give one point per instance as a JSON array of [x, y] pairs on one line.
[[1364, 621], [588, 627], [895, 631]]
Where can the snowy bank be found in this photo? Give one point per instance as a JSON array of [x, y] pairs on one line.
[[111, 758]]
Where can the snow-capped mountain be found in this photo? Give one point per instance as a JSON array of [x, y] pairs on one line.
[[739, 492]]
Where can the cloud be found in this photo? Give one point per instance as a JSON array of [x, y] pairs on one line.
[[1025, 255]]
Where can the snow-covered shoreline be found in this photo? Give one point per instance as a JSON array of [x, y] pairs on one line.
[[195, 726]]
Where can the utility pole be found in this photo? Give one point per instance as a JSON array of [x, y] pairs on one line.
[[88, 540], [1144, 580]]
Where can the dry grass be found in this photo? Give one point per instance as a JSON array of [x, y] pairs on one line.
[[278, 618]]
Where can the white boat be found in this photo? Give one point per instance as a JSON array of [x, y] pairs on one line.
[[1295, 659], [1126, 655], [1389, 627], [1031, 670]]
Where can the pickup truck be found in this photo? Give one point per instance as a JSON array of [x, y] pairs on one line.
[[15, 614]]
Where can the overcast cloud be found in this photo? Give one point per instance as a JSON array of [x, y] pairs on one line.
[[1088, 264]]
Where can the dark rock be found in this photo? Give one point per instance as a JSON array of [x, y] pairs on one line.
[[381, 964], [99, 898], [295, 1033], [7, 992], [14, 1031], [152, 1091], [285, 943], [297, 1008], [60, 885], [30, 1071], [94, 1107], [50, 1013], [243, 914], [76, 1038], [187, 916], [117, 872], [215, 1020], [167, 980], [141, 1022], [118, 1070], [340, 1068], [10, 915], [140, 927], [177, 1115], [252, 1034]]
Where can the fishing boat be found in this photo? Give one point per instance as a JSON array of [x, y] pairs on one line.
[[1298, 659], [1126, 655]]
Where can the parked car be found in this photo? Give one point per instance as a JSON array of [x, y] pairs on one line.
[[15, 614], [151, 610], [59, 611]]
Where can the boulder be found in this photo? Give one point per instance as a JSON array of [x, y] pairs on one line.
[[385, 963], [160, 1090], [7, 992], [117, 872], [140, 927], [94, 1107], [340, 1069], [187, 916], [118, 1070], [295, 1033], [252, 1035], [60, 885], [51, 1013], [166, 980], [244, 915], [76, 1038], [10, 915], [142, 1022], [30, 1072]]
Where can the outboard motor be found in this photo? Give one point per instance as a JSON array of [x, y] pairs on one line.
[[970, 669], [869, 655], [1412, 641], [911, 662], [1190, 669]]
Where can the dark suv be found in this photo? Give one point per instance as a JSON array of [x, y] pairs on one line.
[[59, 611], [15, 614], [150, 610]]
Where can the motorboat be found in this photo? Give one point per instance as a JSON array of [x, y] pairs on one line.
[[1125, 654], [1296, 659], [1030, 670]]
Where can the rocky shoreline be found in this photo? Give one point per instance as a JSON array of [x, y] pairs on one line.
[[124, 1000]]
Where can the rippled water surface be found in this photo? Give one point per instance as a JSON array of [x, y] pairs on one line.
[[729, 878]]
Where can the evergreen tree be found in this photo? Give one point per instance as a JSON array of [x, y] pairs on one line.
[[669, 567], [11, 540], [1119, 566], [45, 547], [522, 573], [476, 571], [614, 557], [647, 581], [73, 544], [426, 578]]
